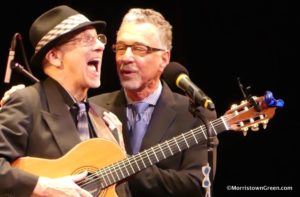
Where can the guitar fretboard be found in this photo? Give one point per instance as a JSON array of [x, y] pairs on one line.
[[135, 163]]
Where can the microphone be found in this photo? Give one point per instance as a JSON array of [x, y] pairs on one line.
[[175, 73], [11, 57]]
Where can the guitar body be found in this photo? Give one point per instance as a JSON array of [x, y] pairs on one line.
[[90, 155]]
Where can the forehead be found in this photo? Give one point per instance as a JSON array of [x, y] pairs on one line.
[[138, 32], [87, 30], [81, 32]]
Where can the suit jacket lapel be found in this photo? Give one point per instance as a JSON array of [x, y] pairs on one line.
[[59, 119], [163, 115]]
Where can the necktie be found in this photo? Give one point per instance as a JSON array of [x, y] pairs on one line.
[[139, 126], [82, 124]]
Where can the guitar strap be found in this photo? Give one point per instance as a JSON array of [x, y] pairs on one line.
[[102, 131]]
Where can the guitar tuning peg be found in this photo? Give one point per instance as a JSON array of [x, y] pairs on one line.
[[261, 117], [264, 122], [245, 130], [233, 106], [241, 124], [243, 102], [255, 127], [265, 125]]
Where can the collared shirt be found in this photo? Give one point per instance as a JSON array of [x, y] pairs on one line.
[[72, 106], [151, 100]]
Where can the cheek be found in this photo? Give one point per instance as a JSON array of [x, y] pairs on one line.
[[152, 64], [148, 70], [118, 61], [77, 68], [118, 65], [161, 68]]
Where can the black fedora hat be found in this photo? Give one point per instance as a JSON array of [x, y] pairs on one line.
[[55, 24]]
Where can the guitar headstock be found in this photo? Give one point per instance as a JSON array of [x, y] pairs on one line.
[[246, 115]]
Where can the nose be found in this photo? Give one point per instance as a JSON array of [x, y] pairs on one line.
[[127, 56], [128, 52]]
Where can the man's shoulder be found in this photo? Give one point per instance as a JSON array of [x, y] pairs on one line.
[[29, 92], [182, 104], [104, 98], [173, 98]]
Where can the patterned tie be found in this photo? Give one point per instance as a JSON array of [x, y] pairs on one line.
[[82, 124], [139, 127]]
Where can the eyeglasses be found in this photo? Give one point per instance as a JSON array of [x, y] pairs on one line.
[[137, 49], [89, 40]]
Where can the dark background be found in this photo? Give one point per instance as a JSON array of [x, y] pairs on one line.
[[217, 42]]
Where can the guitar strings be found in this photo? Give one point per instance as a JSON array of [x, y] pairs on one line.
[[139, 158], [109, 170]]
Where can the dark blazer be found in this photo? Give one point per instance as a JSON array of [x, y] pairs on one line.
[[179, 175], [35, 121]]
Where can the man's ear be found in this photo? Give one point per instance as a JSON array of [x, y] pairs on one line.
[[54, 57], [165, 59]]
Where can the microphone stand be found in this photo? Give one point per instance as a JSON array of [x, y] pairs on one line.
[[13, 65], [208, 170], [18, 67]]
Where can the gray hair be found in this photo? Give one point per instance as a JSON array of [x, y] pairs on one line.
[[139, 15]]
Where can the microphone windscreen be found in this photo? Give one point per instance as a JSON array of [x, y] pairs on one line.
[[171, 73]]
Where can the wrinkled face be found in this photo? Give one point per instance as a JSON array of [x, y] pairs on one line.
[[81, 58], [140, 56]]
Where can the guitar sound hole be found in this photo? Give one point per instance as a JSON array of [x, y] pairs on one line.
[[91, 183]]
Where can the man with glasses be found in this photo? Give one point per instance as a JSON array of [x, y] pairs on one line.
[[143, 48], [41, 120]]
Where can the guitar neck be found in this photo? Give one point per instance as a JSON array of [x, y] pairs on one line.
[[135, 163]]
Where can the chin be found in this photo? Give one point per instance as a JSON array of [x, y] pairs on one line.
[[94, 84], [131, 85]]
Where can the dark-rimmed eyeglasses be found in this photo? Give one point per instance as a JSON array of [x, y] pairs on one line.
[[89, 40], [137, 49]]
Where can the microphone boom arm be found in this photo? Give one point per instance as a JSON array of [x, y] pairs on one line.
[[22, 70]]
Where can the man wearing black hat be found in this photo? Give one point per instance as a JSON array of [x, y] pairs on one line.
[[41, 120]]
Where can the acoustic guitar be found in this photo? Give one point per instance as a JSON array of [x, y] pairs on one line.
[[106, 168]]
